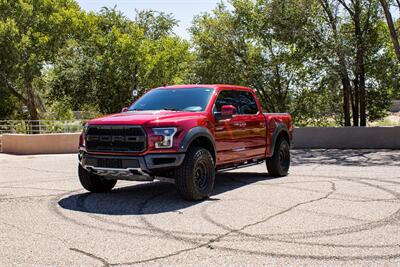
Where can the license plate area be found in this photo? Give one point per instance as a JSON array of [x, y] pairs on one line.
[[113, 163], [109, 163]]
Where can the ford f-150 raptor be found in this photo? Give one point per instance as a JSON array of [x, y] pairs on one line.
[[184, 134]]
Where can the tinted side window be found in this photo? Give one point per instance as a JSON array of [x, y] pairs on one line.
[[243, 101], [247, 103], [227, 98]]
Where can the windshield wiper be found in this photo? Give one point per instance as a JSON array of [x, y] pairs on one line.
[[172, 109]]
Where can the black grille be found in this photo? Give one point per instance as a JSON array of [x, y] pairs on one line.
[[115, 139]]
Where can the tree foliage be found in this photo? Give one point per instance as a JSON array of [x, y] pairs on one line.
[[100, 69], [31, 33], [322, 60], [328, 62]]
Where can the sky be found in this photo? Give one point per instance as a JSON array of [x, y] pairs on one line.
[[183, 10]]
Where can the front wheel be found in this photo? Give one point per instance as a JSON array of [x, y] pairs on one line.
[[278, 165], [95, 183], [194, 179]]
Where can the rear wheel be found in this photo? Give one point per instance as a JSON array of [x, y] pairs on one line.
[[94, 183], [278, 165], [195, 178]]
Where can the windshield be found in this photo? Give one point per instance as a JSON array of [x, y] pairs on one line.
[[185, 99]]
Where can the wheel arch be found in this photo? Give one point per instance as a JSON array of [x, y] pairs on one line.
[[281, 131], [200, 137]]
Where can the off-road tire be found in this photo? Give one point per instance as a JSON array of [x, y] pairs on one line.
[[95, 183], [278, 165], [194, 179]]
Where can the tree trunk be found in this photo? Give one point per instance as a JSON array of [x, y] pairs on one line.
[[346, 101], [363, 102], [342, 71], [346, 88], [355, 102], [32, 109], [360, 66], [392, 29]]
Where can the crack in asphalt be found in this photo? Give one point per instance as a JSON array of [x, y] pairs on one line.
[[33, 188], [35, 169], [212, 243], [34, 232], [105, 263], [198, 245], [9, 199], [388, 200], [220, 237]]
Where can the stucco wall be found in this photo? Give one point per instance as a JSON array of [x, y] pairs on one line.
[[347, 137], [24, 144]]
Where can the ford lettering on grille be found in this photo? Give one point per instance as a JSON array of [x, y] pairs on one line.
[[115, 138]]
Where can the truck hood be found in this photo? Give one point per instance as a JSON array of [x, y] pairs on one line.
[[147, 118]]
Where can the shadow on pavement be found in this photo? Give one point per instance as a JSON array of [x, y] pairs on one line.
[[157, 197], [361, 157], [152, 198]]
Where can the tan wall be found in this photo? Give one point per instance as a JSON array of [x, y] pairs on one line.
[[25, 144], [347, 137]]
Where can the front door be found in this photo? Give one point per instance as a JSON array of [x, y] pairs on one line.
[[227, 131]]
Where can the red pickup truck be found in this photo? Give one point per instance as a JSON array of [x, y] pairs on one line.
[[184, 134]]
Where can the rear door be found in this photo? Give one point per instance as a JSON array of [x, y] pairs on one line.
[[252, 132]]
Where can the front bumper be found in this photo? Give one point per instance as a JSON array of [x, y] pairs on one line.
[[133, 168]]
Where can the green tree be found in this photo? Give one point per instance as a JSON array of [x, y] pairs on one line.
[[242, 46], [362, 30], [314, 58], [114, 56], [391, 25], [236, 47], [155, 24], [31, 34], [8, 105], [346, 38]]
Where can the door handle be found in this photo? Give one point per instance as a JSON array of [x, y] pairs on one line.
[[240, 124]]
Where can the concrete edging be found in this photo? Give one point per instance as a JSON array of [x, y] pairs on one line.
[[30, 144], [347, 137]]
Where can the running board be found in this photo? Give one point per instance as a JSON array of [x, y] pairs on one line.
[[239, 166]]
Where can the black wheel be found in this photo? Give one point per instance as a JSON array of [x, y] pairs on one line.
[[194, 179], [93, 182], [278, 165]]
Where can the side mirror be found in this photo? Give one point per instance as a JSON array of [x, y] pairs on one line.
[[125, 109], [227, 111]]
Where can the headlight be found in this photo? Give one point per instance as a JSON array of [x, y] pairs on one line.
[[82, 137], [85, 128], [163, 137]]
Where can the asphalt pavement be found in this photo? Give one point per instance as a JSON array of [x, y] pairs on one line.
[[337, 207]]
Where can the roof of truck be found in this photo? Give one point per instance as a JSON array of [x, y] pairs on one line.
[[215, 86]]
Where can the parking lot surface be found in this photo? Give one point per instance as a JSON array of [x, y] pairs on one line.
[[337, 207]]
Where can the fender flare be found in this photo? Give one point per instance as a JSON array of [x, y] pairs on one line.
[[194, 133], [278, 130]]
